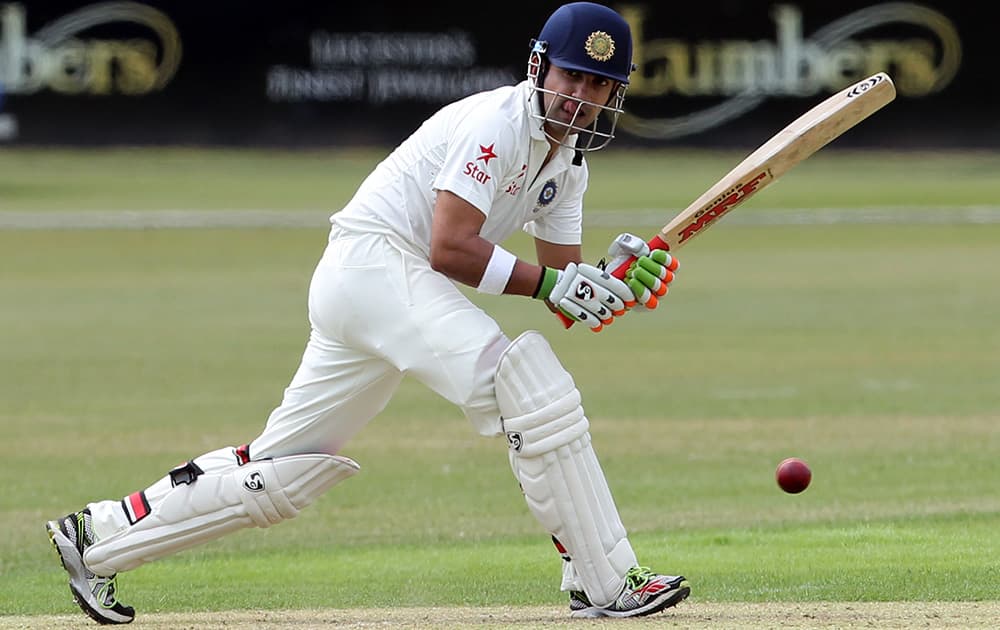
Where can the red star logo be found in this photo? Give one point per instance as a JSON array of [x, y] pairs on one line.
[[487, 153]]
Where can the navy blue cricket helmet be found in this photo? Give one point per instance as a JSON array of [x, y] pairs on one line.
[[581, 37], [588, 37]]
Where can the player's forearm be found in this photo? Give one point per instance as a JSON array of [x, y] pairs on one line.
[[468, 260], [525, 279]]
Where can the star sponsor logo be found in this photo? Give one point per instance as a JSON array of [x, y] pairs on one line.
[[477, 173], [486, 154], [515, 186]]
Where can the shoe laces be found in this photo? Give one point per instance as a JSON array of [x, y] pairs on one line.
[[638, 576], [105, 593], [81, 529]]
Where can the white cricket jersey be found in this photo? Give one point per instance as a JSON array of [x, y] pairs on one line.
[[487, 150]]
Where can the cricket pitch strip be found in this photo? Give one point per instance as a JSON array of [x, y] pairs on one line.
[[686, 615]]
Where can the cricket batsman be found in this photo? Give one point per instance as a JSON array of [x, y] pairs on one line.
[[384, 302]]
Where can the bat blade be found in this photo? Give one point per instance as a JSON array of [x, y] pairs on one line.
[[801, 138]]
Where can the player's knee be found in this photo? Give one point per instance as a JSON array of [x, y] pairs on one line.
[[538, 400], [270, 490], [480, 405], [278, 489]]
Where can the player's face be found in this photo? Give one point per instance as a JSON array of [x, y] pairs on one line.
[[580, 85]]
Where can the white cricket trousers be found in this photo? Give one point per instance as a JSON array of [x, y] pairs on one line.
[[378, 311]]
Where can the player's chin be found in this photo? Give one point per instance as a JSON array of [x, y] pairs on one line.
[[571, 124], [583, 118], [561, 117], [558, 128]]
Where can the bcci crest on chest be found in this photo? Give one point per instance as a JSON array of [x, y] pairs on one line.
[[548, 193]]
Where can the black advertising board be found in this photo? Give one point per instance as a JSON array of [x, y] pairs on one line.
[[296, 73]]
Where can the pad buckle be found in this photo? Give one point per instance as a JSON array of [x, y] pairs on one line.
[[185, 474]]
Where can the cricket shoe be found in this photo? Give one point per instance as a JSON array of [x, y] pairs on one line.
[[644, 593], [95, 594]]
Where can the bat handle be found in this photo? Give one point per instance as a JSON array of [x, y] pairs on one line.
[[619, 272], [623, 264]]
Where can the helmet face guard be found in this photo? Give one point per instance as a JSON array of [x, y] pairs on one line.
[[589, 38], [594, 136]]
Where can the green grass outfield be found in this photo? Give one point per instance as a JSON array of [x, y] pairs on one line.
[[869, 348]]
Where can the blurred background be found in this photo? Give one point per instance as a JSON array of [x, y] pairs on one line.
[[722, 73], [846, 315]]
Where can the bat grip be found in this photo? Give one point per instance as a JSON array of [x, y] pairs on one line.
[[619, 272]]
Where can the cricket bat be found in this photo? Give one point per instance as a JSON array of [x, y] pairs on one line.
[[804, 136]]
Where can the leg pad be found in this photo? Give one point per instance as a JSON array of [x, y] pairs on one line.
[[552, 458], [225, 497]]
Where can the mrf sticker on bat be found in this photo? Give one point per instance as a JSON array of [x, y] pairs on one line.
[[722, 205]]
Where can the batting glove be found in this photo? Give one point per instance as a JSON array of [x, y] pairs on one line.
[[584, 293], [649, 277]]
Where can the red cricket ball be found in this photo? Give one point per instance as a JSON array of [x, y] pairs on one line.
[[793, 475]]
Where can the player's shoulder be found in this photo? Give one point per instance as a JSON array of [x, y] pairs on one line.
[[502, 107], [498, 95], [493, 119]]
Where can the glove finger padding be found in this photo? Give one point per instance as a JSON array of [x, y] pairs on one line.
[[591, 295], [649, 277]]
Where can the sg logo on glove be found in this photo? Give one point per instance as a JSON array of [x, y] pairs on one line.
[[584, 291], [587, 294]]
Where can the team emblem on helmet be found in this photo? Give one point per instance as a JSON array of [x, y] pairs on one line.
[[600, 46], [548, 193]]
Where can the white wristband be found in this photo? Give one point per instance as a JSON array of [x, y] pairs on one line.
[[498, 271]]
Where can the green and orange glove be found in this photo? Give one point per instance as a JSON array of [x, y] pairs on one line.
[[650, 276]]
